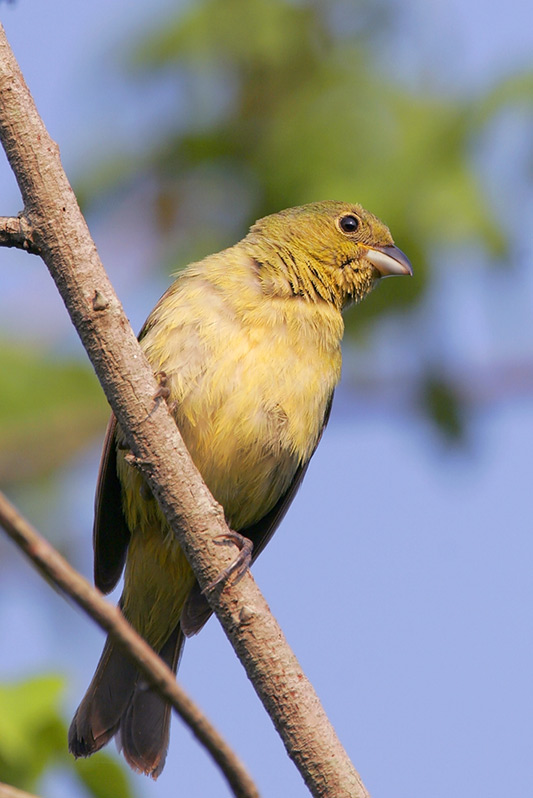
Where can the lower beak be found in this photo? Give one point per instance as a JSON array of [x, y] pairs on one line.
[[389, 261]]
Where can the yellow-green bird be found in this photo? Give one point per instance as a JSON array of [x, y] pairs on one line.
[[250, 342]]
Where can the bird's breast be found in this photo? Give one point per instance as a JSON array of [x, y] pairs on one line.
[[250, 385]]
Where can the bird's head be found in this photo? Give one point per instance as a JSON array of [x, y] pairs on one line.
[[331, 250]]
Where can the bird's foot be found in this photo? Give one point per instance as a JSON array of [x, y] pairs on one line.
[[163, 392], [240, 564]]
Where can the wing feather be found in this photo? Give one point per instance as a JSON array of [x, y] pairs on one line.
[[111, 535]]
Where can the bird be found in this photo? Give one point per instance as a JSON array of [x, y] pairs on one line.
[[249, 343]]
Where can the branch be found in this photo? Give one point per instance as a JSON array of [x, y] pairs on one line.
[[52, 565], [7, 791], [16, 232], [61, 234]]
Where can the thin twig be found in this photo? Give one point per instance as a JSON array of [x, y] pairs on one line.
[[52, 565], [16, 232]]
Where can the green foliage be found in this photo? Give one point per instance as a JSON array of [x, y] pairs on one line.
[[281, 109], [103, 777], [33, 739], [32, 733], [49, 408], [442, 404]]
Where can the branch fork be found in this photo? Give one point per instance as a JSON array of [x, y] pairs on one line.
[[16, 231]]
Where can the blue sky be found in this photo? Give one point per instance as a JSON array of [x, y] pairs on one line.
[[402, 574]]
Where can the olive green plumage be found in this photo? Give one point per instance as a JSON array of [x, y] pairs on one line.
[[249, 340]]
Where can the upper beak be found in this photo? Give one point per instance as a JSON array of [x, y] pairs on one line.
[[389, 261]]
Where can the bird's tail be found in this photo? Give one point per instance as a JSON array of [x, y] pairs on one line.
[[120, 702]]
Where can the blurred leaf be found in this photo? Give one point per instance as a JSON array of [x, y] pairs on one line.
[[444, 408], [32, 734], [271, 130], [103, 777], [49, 409], [255, 34], [516, 90], [33, 739]]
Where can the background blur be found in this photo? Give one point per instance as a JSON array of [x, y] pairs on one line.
[[401, 575]]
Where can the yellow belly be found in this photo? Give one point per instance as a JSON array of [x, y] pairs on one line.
[[250, 402]]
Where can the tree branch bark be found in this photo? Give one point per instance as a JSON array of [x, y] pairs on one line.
[[53, 566], [7, 791], [61, 235], [16, 232]]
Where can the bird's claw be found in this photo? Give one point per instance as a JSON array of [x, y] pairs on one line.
[[163, 392], [240, 564]]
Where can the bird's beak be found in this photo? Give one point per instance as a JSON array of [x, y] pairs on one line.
[[389, 261]]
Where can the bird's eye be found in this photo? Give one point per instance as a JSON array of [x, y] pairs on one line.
[[349, 223]]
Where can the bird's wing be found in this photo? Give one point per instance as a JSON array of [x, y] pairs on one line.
[[261, 532], [196, 610], [110, 532]]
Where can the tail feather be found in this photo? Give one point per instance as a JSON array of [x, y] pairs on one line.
[[144, 728], [195, 613], [119, 701], [98, 716]]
